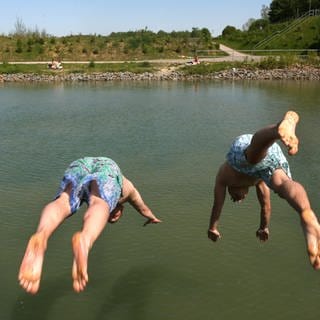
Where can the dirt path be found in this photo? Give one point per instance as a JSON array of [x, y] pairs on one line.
[[233, 55]]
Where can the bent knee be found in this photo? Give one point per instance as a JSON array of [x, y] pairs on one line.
[[283, 188]]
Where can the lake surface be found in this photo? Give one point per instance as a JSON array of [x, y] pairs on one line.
[[169, 138]]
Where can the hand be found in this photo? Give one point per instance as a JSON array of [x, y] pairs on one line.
[[263, 234], [214, 235], [155, 220]]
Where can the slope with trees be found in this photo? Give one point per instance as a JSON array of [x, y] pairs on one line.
[[34, 45], [275, 18]]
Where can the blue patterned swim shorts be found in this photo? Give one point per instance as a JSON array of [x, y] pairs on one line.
[[264, 170], [82, 171]]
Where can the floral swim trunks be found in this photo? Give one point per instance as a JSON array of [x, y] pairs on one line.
[[81, 172], [264, 170]]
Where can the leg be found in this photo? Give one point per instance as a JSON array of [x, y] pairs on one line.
[[31, 267], [297, 197], [264, 138], [95, 219]]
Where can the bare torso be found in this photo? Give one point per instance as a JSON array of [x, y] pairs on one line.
[[232, 178]]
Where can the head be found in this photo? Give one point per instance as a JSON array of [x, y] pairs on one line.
[[238, 193], [116, 213]]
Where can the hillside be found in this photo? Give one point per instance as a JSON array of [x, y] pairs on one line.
[[133, 45], [145, 45], [305, 35]]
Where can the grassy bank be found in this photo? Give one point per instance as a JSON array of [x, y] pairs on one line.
[[269, 63], [91, 67], [204, 68]]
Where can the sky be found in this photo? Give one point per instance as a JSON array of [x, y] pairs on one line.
[[66, 17]]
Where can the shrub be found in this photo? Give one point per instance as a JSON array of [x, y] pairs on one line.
[[19, 46]]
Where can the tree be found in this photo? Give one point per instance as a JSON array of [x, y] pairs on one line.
[[19, 28], [247, 25], [229, 31], [265, 12], [206, 35], [282, 10], [258, 25]]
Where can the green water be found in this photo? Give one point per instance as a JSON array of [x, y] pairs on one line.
[[168, 138]]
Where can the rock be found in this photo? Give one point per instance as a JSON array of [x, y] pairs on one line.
[[294, 73]]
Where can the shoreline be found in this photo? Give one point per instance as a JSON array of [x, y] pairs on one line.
[[293, 73]]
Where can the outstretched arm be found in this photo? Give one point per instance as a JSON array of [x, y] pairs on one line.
[[219, 197], [132, 195], [263, 195]]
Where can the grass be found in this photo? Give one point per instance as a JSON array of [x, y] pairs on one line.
[[203, 68], [91, 67], [268, 63], [207, 68]]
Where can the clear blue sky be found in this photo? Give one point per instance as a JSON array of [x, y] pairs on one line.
[[67, 17]]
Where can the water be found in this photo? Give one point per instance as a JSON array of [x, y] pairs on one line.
[[168, 138]]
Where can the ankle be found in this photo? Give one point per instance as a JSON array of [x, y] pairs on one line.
[[80, 238], [39, 239]]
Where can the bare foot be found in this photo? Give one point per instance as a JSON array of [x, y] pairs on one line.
[[286, 130], [31, 266], [311, 229], [80, 262]]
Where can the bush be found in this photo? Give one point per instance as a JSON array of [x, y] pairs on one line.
[[229, 31]]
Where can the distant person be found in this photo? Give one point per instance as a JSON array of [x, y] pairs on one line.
[[193, 62], [196, 60], [55, 65], [257, 161], [98, 182]]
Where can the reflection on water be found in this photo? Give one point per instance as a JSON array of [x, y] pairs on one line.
[[169, 138]]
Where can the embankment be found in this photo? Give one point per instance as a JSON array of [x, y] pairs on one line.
[[296, 73]]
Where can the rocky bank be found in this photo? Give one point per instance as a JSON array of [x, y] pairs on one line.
[[296, 73]]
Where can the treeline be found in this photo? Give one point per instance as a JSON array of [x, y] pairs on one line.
[[283, 10], [147, 41], [25, 44]]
